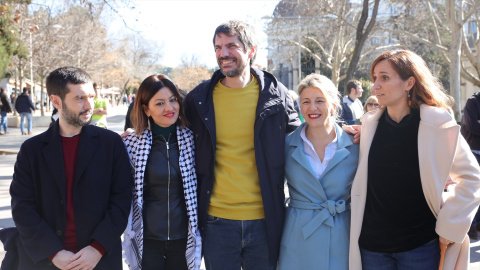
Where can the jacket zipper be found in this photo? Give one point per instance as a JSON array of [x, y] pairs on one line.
[[168, 187]]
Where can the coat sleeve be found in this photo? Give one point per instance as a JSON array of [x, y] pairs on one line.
[[456, 215], [291, 115], [471, 117], [38, 238], [113, 224], [189, 106]]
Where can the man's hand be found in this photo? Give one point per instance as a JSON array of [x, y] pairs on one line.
[[62, 259], [126, 133], [85, 259], [354, 130]]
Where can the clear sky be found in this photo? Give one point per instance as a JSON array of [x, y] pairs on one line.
[[186, 27]]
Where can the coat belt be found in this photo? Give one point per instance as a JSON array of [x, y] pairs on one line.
[[328, 209]]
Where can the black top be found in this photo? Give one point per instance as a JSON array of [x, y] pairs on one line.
[[470, 125], [164, 210], [397, 217]]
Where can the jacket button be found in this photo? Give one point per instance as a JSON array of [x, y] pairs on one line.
[[206, 118], [59, 232], [208, 191], [200, 102]]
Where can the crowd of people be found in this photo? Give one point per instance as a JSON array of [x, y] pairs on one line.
[[203, 175]]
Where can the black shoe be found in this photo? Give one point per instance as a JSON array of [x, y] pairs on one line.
[[473, 233]]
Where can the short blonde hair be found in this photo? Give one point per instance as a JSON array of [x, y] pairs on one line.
[[327, 87], [369, 99]]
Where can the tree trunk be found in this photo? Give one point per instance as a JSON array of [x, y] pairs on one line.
[[455, 53], [16, 92], [361, 37]]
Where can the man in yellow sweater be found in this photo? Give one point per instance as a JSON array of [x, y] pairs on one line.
[[240, 118]]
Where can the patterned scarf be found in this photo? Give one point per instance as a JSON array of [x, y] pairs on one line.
[[138, 148]]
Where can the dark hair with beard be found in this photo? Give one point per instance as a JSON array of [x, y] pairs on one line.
[[148, 88], [58, 79], [245, 32]]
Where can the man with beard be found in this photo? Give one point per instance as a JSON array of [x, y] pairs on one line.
[[72, 185], [240, 117]]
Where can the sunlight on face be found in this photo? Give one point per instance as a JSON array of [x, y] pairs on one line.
[[163, 107], [315, 107]]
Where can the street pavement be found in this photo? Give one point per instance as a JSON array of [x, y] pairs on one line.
[[10, 145]]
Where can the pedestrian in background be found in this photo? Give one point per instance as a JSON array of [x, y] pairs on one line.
[[371, 104], [409, 148], [24, 106], [162, 231], [321, 161], [4, 109], [352, 108], [100, 112], [471, 132]]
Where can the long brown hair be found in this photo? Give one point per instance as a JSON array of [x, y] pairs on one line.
[[149, 87], [427, 89]]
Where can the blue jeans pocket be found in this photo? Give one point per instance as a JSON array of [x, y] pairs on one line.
[[212, 219]]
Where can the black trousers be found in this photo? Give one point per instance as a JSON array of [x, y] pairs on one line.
[[164, 255]]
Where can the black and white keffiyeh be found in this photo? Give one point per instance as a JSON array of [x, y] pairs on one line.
[[138, 148]]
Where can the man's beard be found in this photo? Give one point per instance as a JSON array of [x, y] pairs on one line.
[[72, 118], [235, 72]]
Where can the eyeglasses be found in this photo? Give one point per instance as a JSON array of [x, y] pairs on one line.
[[373, 105]]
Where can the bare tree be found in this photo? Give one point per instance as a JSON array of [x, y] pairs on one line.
[[135, 57], [333, 33], [361, 36], [74, 37], [190, 73], [446, 35]]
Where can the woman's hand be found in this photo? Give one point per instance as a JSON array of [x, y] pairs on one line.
[[126, 133], [354, 130], [445, 241]]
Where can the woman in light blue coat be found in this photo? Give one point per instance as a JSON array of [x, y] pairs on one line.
[[321, 161]]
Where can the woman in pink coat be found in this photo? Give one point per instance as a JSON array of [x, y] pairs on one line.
[[409, 149]]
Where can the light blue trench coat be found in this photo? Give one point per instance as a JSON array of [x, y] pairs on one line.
[[317, 226]]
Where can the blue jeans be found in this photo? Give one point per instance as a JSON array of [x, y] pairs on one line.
[[29, 119], [235, 244], [3, 121], [421, 258]]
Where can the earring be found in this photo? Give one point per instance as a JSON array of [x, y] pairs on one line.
[[409, 99]]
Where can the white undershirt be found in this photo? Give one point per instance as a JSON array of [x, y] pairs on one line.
[[317, 165]]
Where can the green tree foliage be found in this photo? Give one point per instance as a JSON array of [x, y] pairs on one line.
[[10, 43]]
